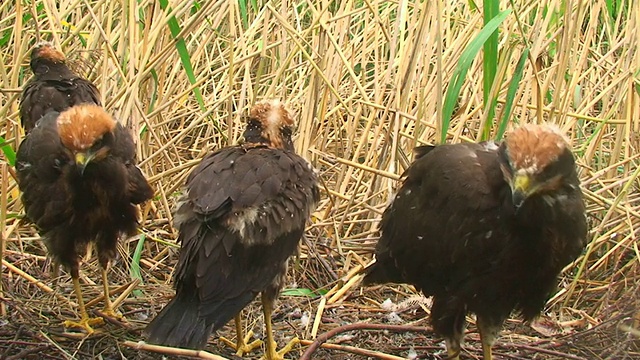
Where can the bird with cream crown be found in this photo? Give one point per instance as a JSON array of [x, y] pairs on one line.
[[242, 216]]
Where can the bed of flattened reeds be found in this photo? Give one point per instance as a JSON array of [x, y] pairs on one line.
[[368, 80]]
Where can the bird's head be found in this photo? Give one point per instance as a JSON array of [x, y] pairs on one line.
[[536, 159], [44, 53], [87, 132], [270, 122]]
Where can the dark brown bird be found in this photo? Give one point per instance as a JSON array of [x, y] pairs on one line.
[[54, 87], [242, 216], [485, 229], [80, 184]]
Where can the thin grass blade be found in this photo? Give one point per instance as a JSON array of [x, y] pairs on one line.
[[185, 57], [511, 94], [134, 271], [8, 152], [460, 72], [491, 8]]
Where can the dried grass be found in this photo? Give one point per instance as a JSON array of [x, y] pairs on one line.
[[367, 79]]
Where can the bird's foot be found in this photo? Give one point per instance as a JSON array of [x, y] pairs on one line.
[[86, 324], [112, 313], [279, 355], [242, 346]]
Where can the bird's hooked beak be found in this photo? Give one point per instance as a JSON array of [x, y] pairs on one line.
[[83, 159], [521, 188]]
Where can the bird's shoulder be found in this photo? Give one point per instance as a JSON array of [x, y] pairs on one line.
[[62, 79], [246, 176], [41, 143], [459, 172], [86, 92], [452, 197], [40, 96], [123, 154], [40, 160], [124, 146]]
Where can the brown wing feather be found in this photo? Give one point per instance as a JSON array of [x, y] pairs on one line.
[[138, 188], [39, 162]]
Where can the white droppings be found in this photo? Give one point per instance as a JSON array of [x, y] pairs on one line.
[[394, 318], [488, 234], [141, 316], [304, 320], [344, 338], [407, 192], [412, 354], [420, 237], [387, 305]]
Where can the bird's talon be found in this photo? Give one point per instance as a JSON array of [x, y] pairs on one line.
[[113, 314], [279, 355], [247, 348], [85, 324], [227, 342], [242, 347]]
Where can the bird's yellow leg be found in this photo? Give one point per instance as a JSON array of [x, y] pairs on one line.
[[108, 305], [271, 353], [453, 349], [241, 345], [85, 322], [488, 334], [486, 351], [55, 271]]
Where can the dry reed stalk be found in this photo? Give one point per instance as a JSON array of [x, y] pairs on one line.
[[367, 81], [199, 354]]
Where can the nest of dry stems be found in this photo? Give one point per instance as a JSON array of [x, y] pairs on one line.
[[367, 80]]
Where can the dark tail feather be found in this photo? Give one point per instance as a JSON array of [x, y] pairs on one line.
[[221, 313], [184, 323], [179, 324]]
